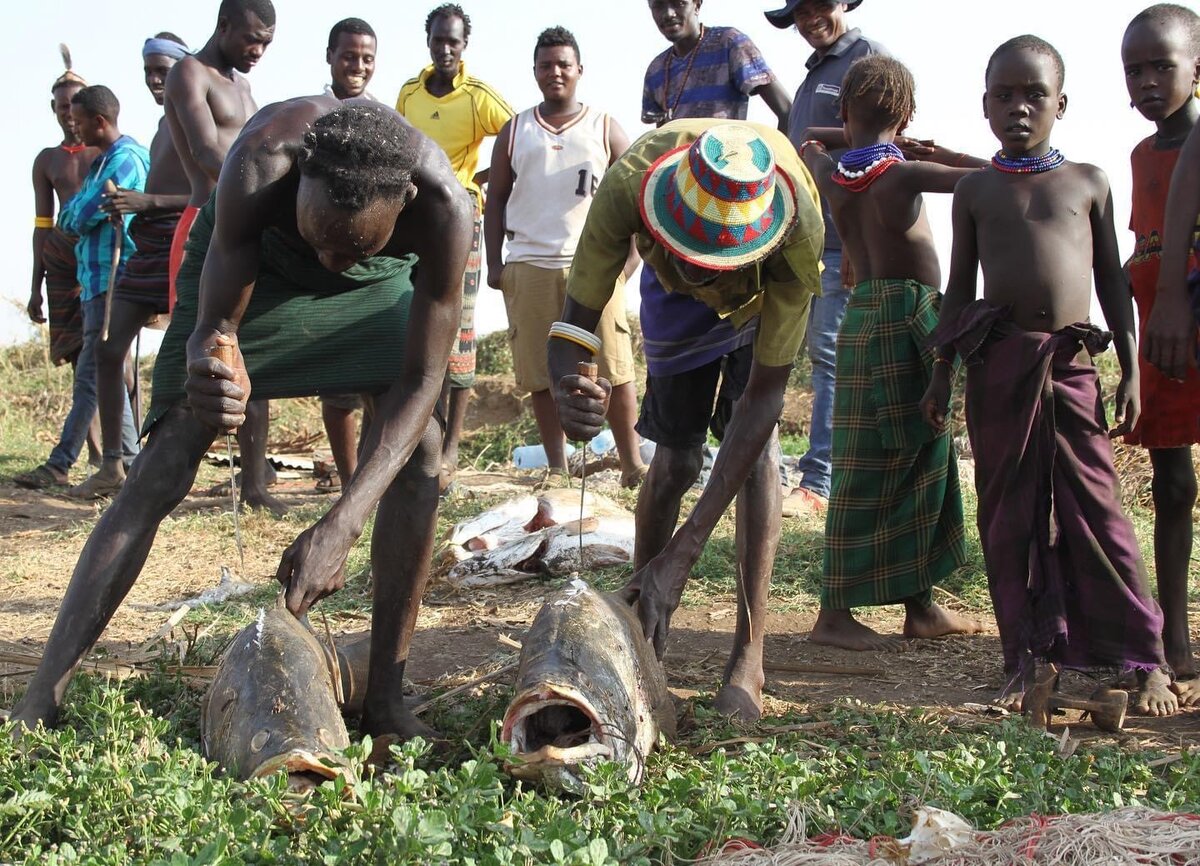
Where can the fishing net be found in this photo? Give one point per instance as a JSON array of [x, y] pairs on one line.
[[1132, 835]]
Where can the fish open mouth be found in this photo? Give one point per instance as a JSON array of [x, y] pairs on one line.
[[306, 770], [550, 728]]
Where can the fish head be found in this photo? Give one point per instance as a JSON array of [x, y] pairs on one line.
[[554, 730]]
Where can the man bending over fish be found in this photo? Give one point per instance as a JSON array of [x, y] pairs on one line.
[[726, 213], [303, 261]]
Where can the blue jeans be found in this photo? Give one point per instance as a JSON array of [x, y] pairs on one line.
[[824, 321], [83, 398]]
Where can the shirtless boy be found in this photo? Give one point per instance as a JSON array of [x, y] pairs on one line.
[[1066, 578], [58, 173], [1161, 55], [894, 526], [142, 291], [207, 101], [293, 243]]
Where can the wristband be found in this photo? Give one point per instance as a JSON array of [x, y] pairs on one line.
[[804, 145], [578, 336], [41, 222]]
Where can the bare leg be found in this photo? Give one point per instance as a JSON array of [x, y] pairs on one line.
[[545, 413], [622, 415], [758, 524], [112, 392], [252, 442], [672, 472], [113, 557], [454, 427], [401, 549], [340, 427], [1174, 488]]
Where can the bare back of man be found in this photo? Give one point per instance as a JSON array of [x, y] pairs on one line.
[[207, 102], [398, 471]]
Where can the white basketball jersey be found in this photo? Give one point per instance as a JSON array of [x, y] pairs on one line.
[[556, 174]]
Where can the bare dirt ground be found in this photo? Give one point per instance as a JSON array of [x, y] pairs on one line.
[[41, 536]]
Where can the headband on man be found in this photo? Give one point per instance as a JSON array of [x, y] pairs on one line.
[[167, 47]]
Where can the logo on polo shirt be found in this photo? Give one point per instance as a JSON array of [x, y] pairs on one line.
[[435, 116], [829, 90]]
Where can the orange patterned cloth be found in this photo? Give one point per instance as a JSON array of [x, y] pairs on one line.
[[1170, 410]]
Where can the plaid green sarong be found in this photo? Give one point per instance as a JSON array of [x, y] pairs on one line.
[[306, 331], [894, 526]]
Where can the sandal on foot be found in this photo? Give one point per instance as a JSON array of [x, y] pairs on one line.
[[40, 478], [96, 487], [331, 482], [802, 502], [634, 477]]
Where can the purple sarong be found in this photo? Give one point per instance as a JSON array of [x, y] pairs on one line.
[[1065, 573]]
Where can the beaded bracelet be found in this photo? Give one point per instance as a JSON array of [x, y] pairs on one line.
[[574, 334], [804, 144]]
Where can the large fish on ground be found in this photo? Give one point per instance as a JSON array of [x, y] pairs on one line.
[[588, 687], [532, 535], [272, 705]]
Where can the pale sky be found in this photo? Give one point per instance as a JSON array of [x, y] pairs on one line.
[[946, 45]]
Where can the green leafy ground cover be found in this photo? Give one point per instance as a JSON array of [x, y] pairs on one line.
[[122, 780]]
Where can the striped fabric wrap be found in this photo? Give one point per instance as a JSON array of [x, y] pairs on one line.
[[146, 278], [306, 331], [63, 312], [894, 526], [462, 356]]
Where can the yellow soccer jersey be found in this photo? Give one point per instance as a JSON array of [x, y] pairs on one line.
[[458, 121]]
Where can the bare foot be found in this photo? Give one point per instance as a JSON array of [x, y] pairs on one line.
[[839, 628], [742, 705], [1011, 701], [1155, 696], [260, 499], [936, 621], [1188, 691], [398, 721]]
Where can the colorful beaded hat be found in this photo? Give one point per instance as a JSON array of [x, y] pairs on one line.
[[720, 202], [782, 17]]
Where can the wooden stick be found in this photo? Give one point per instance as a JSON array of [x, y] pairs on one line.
[[422, 707]]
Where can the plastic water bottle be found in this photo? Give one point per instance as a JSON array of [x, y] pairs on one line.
[[534, 456], [603, 442]]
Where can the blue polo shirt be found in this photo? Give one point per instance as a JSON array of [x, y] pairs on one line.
[[818, 102]]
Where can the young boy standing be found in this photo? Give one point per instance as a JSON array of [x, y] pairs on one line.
[[894, 526], [1066, 578], [1161, 55]]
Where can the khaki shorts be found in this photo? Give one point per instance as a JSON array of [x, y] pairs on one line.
[[534, 299]]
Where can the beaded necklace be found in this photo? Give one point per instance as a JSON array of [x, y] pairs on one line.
[[861, 167], [1052, 159], [670, 113]]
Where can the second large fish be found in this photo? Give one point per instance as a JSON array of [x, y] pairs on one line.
[[588, 687]]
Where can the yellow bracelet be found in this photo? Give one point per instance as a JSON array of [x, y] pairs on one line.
[[573, 339], [41, 222]]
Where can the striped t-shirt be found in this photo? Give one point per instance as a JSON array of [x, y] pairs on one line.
[[726, 69], [126, 163]]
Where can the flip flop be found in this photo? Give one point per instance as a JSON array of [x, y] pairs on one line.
[[329, 483], [634, 477], [40, 478], [96, 487]]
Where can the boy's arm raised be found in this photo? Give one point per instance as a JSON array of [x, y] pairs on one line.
[[960, 291], [1169, 338], [1112, 290]]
